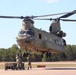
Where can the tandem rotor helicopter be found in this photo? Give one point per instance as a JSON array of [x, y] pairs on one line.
[[33, 39]]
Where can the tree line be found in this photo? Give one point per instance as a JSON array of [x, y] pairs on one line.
[[10, 54]]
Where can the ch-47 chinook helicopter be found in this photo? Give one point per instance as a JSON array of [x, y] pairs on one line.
[[33, 39]]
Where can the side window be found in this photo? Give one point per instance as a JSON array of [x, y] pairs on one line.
[[56, 41], [45, 38], [50, 40], [40, 36]]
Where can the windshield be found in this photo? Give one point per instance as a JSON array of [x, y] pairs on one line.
[[22, 32], [30, 32]]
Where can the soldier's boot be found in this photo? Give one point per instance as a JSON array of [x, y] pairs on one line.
[[28, 68]]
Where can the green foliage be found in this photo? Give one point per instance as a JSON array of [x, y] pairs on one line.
[[10, 53], [36, 56], [71, 52], [45, 58]]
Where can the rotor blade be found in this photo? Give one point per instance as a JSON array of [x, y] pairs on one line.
[[68, 14], [42, 19], [68, 20], [55, 19], [12, 17], [49, 15]]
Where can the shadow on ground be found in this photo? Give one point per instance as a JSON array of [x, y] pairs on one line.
[[60, 69]]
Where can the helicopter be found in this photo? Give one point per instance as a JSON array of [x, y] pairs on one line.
[[37, 40]]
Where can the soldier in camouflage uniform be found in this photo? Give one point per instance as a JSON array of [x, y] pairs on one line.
[[19, 60], [29, 62]]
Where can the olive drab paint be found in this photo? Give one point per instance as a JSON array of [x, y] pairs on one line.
[[39, 40]]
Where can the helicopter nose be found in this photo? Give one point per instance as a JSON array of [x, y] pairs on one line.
[[27, 40]]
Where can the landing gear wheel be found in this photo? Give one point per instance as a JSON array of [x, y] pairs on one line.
[[48, 54]]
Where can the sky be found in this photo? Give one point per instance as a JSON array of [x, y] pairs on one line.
[[9, 28]]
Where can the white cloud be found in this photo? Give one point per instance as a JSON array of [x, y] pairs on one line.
[[51, 1]]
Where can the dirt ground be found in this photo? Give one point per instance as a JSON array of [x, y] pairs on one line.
[[47, 64], [62, 70]]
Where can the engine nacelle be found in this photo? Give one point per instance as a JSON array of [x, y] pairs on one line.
[[61, 34]]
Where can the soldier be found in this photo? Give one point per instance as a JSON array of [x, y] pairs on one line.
[[29, 62], [19, 60]]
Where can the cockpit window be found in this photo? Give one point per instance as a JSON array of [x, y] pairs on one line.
[[30, 32], [22, 32]]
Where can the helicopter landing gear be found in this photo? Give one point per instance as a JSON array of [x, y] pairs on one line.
[[47, 54], [63, 56]]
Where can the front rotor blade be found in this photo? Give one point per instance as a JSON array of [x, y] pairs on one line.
[[50, 15], [68, 14], [12, 17], [44, 19]]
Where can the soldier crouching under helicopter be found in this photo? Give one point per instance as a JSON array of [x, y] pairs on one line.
[[19, 60]]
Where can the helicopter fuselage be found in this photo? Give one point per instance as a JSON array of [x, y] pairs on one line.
[[39, 40]]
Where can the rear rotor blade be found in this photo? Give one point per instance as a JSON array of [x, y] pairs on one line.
[[68, 14], [68, 20], [55, 19]]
